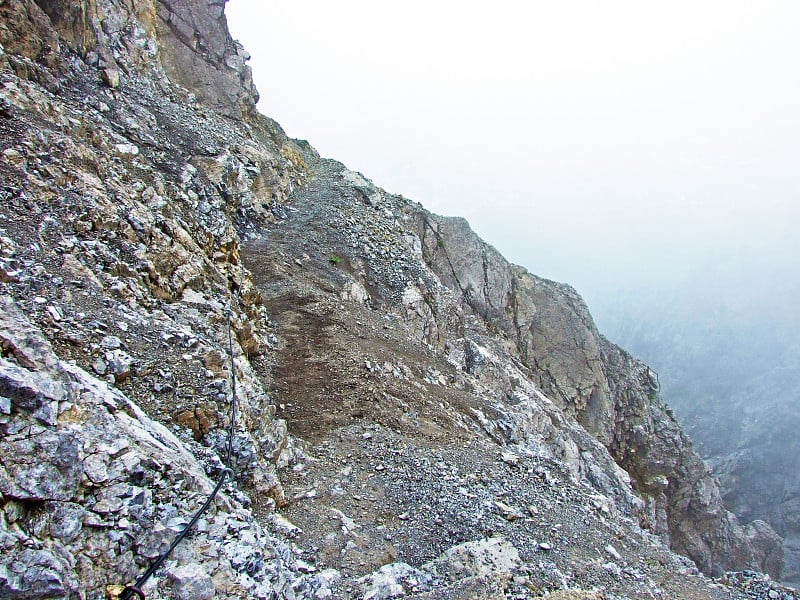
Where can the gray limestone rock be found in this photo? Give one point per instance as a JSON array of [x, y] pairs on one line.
[[192, 583], [199, 53], [488, 556], [36, 574], [66, 520], [394, 580], [119, 364], [42, 466], [610, 393], [31, 391], [129, 193]]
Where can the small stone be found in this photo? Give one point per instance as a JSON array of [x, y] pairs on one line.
[[95, 468], [127, 149], [99, 366], [192, 583], [94, 520], [284, 525], [111, 77], [305, 567], [14, 157], [177, 524], [509, 458], [613, 552], [509, 512], [54, 313], [107, 506], [66, 520], [544, 546], [13, 511], [111, 342], [162, 387], [119, 365], [5, 405]]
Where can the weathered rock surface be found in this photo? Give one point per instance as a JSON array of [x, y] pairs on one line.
[[444, 425], [90, 496], [614, 396]]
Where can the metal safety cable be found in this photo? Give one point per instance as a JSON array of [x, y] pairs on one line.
[[136, 589]]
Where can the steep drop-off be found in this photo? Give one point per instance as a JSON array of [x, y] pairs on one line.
[[728, 359], [416, 416]]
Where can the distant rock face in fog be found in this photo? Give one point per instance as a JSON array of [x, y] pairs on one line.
[[730, 367], [416, 416]]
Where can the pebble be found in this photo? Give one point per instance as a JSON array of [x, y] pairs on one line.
[[613, 552], [111, 342], [95, 468]]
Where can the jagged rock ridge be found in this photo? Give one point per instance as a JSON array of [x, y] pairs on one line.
[[474, 406]]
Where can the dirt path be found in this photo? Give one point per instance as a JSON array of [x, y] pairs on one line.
[[397, 466]]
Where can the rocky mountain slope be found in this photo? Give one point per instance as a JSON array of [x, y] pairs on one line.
[[415, 416]]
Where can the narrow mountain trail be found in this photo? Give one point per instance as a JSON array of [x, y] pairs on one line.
[[392, 463]]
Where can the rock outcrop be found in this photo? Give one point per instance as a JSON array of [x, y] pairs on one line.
[[615, 397], [414, 416], [91, 487]]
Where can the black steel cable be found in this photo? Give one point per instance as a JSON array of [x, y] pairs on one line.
[[135, 590], [231, 431]]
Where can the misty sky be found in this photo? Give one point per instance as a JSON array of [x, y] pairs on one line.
[[606, 144]]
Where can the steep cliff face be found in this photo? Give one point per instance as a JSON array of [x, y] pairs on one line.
[[613, 396], [120, 254], [437, 421]]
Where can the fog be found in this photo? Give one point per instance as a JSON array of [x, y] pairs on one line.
[[616, 146], [645, 153]]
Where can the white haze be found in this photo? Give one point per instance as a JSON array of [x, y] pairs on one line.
[[617, 146]]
